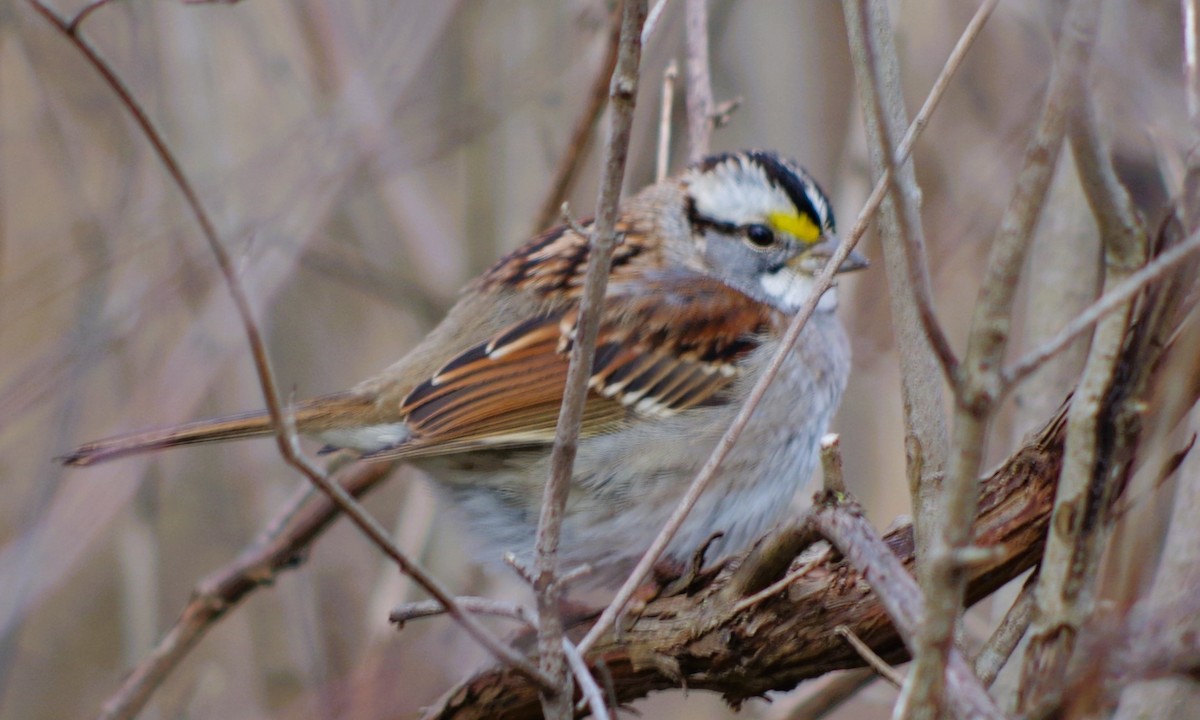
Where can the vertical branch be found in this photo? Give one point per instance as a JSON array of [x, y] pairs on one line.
[[1089, 479], [849, 532], [877, 70], [979, 386], [699, 81], [1191, 61], [663, 158], [622, 95]]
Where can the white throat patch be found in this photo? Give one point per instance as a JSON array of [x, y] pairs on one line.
[[790, 289]]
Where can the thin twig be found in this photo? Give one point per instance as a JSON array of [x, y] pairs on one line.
[[876, 663], [652, 19], [979, 387], [663, 157], [548, 590], [285, 436], [778, 586], [1004, 640], [74, 23], [699, 81], [770, 560], [588, 687], [1191, 61], [1121, 228], [477, 605], [883, 107], [1113, 299]]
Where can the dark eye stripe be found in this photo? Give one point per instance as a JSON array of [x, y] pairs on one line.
[[700, 222]]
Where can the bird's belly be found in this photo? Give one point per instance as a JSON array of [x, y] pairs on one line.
[[628, 483]]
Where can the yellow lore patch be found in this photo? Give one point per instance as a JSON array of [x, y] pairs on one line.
[[800, 226]]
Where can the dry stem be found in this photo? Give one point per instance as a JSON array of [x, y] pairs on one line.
[[699, 83], [548, 589]]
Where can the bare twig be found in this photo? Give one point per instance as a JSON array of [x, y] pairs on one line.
[[74, 23], [663, 157], [1120, 226], [1191, 61], [477, 605], [699, 82], [652, 19], [723, 112], [849, 532], [592, 693], [778, 586], [770, 560], [980, 385], [876, 67], [580, 141], [1112, 300], [549, 591], [876, 663], [1000, 646]]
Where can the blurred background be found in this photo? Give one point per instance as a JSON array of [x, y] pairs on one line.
[[362, 160]]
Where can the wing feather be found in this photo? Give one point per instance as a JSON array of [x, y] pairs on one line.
[[665, 345]]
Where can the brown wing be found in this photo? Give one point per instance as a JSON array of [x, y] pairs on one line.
[[672, 346], [553, 264]]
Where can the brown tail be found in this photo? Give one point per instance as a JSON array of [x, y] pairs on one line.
[[319, 414]]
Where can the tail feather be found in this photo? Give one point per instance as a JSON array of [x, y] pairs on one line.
[[319, 414]]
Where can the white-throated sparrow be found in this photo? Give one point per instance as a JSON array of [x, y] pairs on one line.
[[709, 267]]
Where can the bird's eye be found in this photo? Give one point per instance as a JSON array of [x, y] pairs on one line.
[[760, 236]]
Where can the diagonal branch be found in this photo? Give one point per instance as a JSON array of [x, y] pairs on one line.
[[845, 527]]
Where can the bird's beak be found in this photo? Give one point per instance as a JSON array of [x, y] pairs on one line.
[[824, 250]]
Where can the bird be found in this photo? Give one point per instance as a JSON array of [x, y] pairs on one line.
[[709, 267]]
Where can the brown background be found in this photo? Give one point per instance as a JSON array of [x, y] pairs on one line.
[[362, 160]]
